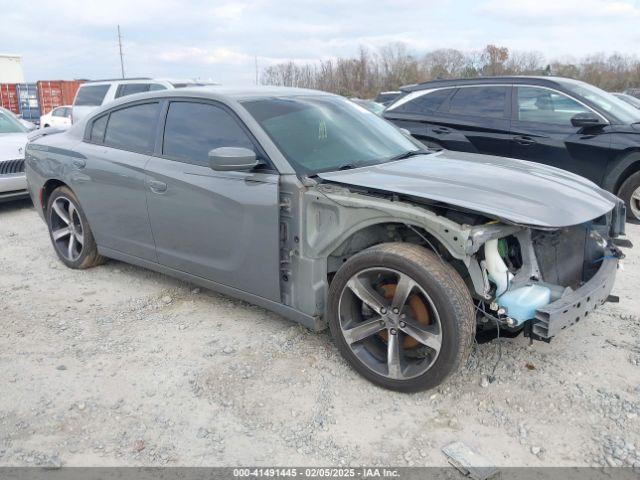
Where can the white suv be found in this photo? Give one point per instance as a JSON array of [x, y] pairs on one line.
[[92, 95]]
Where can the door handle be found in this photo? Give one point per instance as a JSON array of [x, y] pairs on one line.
[[78, 162], [157, 187], [524, 140], [441, 130]]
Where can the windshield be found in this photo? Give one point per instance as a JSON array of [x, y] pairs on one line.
[[9, 124], [604, 100], [324, 133]]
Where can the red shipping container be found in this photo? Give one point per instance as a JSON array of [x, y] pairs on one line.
[[56, 93], [9, 97]]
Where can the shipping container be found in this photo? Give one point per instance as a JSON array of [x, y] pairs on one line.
[[11, 68], [9, 97], [28, 102], [56, 93]]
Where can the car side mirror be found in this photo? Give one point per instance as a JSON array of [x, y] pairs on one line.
[[586, 120], [225, 159]]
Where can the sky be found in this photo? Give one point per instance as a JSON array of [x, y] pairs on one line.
[[220, 40]]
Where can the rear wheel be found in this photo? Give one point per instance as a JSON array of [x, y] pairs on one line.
[[401, 317], [69, 230], [630, 193]]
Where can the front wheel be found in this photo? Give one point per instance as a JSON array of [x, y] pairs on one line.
[[69, 230], [630, 193], [401, 317]]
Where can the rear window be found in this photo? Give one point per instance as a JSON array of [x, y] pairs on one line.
[[480, 102], [133, 128], [91, 95]]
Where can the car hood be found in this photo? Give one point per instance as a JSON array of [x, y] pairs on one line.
[[513, 190], [12, 145]]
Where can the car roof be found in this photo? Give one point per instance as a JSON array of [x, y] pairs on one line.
[[520, 79], [224, 93]]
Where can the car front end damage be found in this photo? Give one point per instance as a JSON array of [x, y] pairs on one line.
[[531, 279], [550, 278]]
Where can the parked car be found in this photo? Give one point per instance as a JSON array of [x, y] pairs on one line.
[[94, 94], [13, 140], [59, 117], [370, 105], [634, 92], [385, 98], [305, 204], [25, 123], [556, 121], [633, 101]]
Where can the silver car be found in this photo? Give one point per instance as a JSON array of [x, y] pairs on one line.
[[310, 206], [13, 140]]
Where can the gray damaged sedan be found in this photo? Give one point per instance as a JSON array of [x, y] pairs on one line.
[[310, 206]]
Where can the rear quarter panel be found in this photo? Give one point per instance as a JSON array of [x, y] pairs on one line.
[[49, 158]]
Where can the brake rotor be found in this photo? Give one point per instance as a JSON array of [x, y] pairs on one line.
[[417, 309]]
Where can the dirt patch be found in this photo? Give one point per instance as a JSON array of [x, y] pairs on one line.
[[118, 365]]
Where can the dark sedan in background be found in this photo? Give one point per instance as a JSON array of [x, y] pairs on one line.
[[556, 121], [631, 100]]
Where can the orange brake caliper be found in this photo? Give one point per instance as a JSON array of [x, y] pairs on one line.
[[417, 309]]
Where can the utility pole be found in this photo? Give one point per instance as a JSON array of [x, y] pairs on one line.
[[121, 56]]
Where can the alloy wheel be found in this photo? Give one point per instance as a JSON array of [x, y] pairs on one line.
[[67, 230], [635, 203], [390, 323]]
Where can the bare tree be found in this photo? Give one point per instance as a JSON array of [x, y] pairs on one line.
[[394, 65]]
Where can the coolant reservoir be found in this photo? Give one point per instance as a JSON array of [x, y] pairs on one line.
[[521, 304]]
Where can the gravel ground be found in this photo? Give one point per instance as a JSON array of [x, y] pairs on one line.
[[118, 365]]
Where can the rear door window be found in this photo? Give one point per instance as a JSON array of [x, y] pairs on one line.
[[91, 95], [98, 128], [425, 104], [193, 129], [480, 102], [133, 128]]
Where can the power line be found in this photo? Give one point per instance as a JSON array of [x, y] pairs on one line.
[[121, 55]]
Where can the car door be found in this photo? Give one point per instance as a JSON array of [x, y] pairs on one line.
[[542, 132], [475, 119], [110, 180], [65, 118], [221, 226], [59, 117]]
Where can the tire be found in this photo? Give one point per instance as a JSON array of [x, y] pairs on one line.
[[69, 231], [630, 193], [437, 289]]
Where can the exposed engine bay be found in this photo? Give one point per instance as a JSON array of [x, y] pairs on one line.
[[531, 270]]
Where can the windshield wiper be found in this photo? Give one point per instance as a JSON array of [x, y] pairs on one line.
[[407, 154], [348, 166]]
